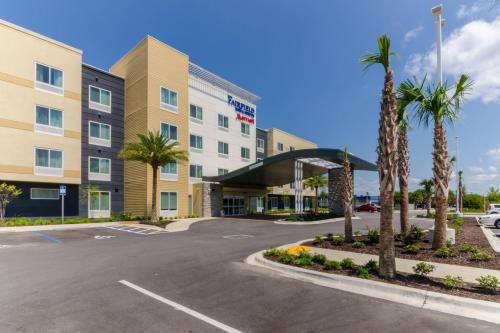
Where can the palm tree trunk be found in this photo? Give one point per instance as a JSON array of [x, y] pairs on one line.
[[154, 213], [316, 205], [441, 179], [387, 150], [428, 203], [403, 173]]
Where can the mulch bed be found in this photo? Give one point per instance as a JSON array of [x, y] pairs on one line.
[[470, 233], [414, 281]]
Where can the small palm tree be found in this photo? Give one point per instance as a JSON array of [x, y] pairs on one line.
[[428, 189], [315, 183], [347, 193], [387, 154], [155, 150], [403, 165], [438, 104]]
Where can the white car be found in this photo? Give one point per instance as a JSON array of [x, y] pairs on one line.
[[490, 220], [493, 209]]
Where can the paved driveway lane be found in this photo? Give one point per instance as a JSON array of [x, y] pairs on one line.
[[74, 287]]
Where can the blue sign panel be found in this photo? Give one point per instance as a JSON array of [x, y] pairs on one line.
[[62, 189], [246, 112]]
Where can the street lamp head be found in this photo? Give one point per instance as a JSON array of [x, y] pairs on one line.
[[437, 10]]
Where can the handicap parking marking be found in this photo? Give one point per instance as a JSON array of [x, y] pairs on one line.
[[137, 230], [49, 237], [239, 236]]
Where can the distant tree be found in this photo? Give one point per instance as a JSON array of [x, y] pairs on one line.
[[493, 195], [7, 193], [428, 191], [397, 198], [473, 201], [315, 183]]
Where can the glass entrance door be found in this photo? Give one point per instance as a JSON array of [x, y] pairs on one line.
[[233, 206]]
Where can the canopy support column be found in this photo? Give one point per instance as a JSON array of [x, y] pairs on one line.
[[335, 203], [299, 194]]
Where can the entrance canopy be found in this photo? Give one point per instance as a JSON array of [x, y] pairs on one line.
[[280, 169]]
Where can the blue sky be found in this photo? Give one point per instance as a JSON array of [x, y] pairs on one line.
[[301, 57]]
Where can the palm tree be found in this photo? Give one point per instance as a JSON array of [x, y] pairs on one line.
[[387, 154], [347, 193], [461, 190], [428, 189], [403, 165], [438, 103], [315, 183], [155, 150]]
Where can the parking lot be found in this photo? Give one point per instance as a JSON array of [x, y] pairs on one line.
[[111, 280]]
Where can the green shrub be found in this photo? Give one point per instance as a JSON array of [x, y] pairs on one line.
[[444, 252], [338, 240], [363, 273], [480, 256], [331, 265], [272, 252], [373, 236], [356, 233], [470, 248], [488, 283], [329, 237], [358, 245], [318, 240], [452, 282], [423, 268], [286, 258], [399, 237], [372, 266], [414, 235], [457, 224], [347, 263], [303, 259], [411, 248], [318, 258]]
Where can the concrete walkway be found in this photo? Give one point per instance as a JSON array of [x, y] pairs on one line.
[[467, 273], [335, 219], [46, 227], [184, 224]]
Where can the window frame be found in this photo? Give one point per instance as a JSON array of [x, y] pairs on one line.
[[167, 106], [278, 145], [100, 141], [99, 176], [261, 149], [48, 129], [47, 87], [169, 212], [196, 119], [42, 188], [224, 145], [247, 126], [48, 170], [100, 212], [98, 105], [170, 176], [196, 149], [170, 125], [224, 171], [197, 167], [244, 158], [224, 119]]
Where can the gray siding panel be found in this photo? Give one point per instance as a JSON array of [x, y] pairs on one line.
[[100, 79], [261, 134]]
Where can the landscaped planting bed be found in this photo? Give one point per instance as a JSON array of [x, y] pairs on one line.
[[471, 247], [487, 290]]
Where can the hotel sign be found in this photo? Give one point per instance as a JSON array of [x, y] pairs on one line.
[[243, 112]]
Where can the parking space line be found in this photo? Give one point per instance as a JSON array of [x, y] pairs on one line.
[[51, 238], [182, 308]]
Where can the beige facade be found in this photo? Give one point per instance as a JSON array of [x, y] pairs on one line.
[[20, 93], [150, 65]]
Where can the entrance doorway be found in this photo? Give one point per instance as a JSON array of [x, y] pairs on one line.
[[233, 206], [256, 204]]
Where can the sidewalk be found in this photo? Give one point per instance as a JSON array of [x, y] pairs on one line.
[[61, 226], [184, 224], [467, 273]]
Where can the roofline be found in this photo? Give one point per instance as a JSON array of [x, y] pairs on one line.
[[39, 36], [294, 135], [222, 83], [102, 71]]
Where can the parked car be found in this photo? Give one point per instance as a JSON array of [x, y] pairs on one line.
[[372, 208], [493, 208], [490, 220]]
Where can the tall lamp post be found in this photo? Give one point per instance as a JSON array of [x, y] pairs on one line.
[[457, 211], [437, 13]]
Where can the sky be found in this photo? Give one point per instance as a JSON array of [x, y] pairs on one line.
[[302, 58]]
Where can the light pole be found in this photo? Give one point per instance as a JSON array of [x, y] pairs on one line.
[[437, 13], [457, 211]]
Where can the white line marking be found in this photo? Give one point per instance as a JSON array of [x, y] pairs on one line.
[[182, 308]]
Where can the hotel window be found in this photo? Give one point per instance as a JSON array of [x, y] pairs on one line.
[[169, 131], [245, 129], [196, 141], [260, 145], [99, 204], [223, 148], [99, 168], [168, 201], [292, 148], [48, 120], [223, 121], [44, 194], [286, 202], [196, 112], [280, 146], [221, 171], [195, 171], [99, 134], [245, 153], [48, 162], [168, 99], [168, 171], [274, 203], [99, 99], [49, 79]]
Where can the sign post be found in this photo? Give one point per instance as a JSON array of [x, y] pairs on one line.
[[62, 193]]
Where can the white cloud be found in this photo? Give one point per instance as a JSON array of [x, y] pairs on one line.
[[476, 169], [492, 168], [494, 154], [413, 33], [482, 178], [473, 49], [467, 11]]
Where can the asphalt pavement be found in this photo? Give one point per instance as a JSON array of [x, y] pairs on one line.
[[107, 280]]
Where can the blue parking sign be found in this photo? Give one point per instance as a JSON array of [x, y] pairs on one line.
[[62, 190]]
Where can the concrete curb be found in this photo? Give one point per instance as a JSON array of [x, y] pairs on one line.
[[493, 239], [62, 226], [337, 219], [460, 306], [185, 224]]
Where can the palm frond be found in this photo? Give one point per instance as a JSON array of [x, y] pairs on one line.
[[381, 57]]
